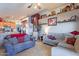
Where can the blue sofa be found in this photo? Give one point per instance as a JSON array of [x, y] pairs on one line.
[[12, 47]]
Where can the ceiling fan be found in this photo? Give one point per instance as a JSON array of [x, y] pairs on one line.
[[36, 6]]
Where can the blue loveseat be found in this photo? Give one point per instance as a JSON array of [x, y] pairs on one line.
[[12, 46]]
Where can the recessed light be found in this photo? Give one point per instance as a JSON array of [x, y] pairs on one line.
[[39, 4]]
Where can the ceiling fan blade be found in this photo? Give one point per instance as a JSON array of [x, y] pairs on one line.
[[30, 5]]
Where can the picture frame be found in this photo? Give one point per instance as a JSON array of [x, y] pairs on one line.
[[52, 21], [71, 19]]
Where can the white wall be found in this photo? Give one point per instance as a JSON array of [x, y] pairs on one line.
[[63, 27]]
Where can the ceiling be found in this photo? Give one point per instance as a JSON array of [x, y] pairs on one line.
[[20, 9]]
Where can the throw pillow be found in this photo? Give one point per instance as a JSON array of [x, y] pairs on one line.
[[70, 40], [7, 37], [51, 37], [13, 40], [75, 33]]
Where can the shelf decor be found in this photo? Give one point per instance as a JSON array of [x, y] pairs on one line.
[[52, 21], [72, 18]]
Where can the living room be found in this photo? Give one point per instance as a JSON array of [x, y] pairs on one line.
[[39, 29]]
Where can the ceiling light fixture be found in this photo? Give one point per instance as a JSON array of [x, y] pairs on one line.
[[34, 5], [37, 6]]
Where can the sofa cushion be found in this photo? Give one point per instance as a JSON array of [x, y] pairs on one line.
[[18, 47], [20, 39], [65, 45], [27, 44], [26, 37], [13, 40], [68, 34]]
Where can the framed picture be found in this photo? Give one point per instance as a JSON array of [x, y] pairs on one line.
[[52, 21]]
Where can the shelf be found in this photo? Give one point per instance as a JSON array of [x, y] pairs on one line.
[[61, 17], [61, 13], [67, 21]]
